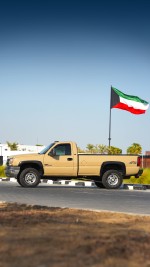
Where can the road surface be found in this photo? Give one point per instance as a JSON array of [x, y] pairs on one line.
[[92, 198]]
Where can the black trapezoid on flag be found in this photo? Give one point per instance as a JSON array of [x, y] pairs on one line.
[[114, 98]]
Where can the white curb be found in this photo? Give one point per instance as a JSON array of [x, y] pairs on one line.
[[13, 180], [81, 183]]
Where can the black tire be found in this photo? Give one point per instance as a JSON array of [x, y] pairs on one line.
[[18, 180], [29, 177], [99, 184], [112, 179]]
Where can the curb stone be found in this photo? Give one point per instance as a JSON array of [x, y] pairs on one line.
[[81, 183], [136, 186], [60, 182]]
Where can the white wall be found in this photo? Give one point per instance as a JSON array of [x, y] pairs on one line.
[[22, 149]]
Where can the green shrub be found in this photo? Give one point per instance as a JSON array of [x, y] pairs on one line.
[[2, 171], [143, 179]]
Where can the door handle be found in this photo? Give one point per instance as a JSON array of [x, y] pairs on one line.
[[69, 159]]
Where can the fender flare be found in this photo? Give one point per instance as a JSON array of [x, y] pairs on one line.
[[31, 162], [117, 165]]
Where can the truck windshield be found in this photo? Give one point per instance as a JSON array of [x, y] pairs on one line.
[[43, 151]]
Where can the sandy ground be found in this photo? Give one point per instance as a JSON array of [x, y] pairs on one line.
[[54, 237]]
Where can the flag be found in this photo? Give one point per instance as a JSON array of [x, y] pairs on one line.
[[131, 103]]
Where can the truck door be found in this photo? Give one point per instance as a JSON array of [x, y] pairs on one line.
[[59, 161]]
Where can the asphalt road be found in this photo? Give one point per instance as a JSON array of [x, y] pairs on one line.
[[129, 201]]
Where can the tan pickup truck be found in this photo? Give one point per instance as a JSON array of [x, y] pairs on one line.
[[61, 161]]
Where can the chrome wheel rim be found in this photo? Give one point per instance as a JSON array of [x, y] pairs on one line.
[[112, 179], [30, 178]]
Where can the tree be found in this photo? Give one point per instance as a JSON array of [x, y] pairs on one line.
[[95, 149], [135, 148], [13, 146], [80, 150], [114, 150], [90, 147], [39, 145], [102, 149]]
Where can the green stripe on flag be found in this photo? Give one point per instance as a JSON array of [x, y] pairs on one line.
[[130, 97]]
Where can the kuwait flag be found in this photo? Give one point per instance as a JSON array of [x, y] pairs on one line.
[[131, 103]]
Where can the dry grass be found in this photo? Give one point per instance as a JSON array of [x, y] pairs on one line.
[[54, 237]]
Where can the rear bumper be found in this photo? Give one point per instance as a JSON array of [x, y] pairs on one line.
[[139, 173], [12, 171]]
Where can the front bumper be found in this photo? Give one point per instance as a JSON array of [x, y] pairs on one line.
[[139, 173], [12, 171]]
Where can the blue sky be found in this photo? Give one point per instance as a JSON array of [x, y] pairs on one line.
[[58, 60]]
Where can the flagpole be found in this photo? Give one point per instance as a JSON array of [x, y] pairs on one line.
[[109, 128], [109, 139]]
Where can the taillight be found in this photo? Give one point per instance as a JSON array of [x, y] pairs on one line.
[[139, 161]]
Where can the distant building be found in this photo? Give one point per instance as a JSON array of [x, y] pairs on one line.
[[146, 160], [22, 149]]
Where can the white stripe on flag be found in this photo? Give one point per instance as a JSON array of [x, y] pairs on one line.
[[134, 104]]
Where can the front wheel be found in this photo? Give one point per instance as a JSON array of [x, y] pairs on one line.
[[112, 179], [18, 180], [29, 177]]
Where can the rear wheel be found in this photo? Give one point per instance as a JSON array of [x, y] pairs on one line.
[[112, 179], [29, 177]]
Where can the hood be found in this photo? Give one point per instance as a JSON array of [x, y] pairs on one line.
[[26, 157]]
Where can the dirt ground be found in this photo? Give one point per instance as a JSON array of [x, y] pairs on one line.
[[55, 237]]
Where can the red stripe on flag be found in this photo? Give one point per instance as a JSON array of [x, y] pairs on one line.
[[130, 109]]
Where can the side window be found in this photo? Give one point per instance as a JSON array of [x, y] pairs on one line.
[[64, 149], [67, 149]]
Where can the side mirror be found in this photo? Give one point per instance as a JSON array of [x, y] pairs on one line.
[[52, 153]]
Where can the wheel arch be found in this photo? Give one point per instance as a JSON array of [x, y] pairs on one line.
[[113, 165], [31, 164]]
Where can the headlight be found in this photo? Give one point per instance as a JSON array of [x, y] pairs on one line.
[[10, 161]]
